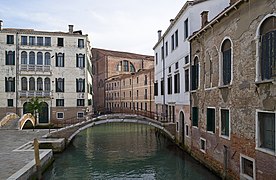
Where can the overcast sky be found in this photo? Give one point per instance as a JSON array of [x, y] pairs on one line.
[[124, 25]]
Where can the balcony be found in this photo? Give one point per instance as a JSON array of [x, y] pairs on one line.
[[37, 69], [26, 94]]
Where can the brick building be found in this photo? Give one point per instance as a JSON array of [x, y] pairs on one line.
[[109, 64], [131, 91], [233, 97], [53, 66]]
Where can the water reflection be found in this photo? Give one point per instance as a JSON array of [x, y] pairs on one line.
[[124, 151]]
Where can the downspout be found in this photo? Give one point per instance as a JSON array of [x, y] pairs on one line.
[[16, 73], [164, 92], [150, 92]]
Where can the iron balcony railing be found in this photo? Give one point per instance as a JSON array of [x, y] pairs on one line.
[[34, 67]]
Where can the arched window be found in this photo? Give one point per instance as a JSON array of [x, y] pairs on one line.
[[132, 68], [80, 85], [24, 84], [32, 58], [31, 84], [39, 84], [119, 66], [268, 48], [195, 74], [47, 85], [39, 58], [125, 66], [226, 62], [59, 85], [47, 59], [80, 60], [24, 57]]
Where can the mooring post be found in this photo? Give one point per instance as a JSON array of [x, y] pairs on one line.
[[37, 159]]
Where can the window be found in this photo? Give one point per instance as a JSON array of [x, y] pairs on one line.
[[177, 83], [268, 48], [39, 58], [31, 84], [137, 80], [81, 115], [59, 59], [24, 57], [10, 102], [47, 85], [10, 57], [47, 59], [60, 42], [224, 122], [132, 68], [59, 85], [80, 102], [129, 93], [24, 40], [176, 65], [129, 81], [172, 42], [186, 80], [80, 43], [170, 69], [156, 58], [162, 87], [146, 80], [60, 115], [162, 52], [80, 85], [247, 167], [186, 59], [39, 84], [10, 39], [47, 41], [195, 74], [195, 116], [156, 89], [31, 57], [10, 84], [40, 41], [202, 145], [186, 29], [169, 85], [266, 131], [31, 40], [226, 62], [177, 128], [146, 93], [125, 66], [176, 38], [141, 106], [80, 60], [166, 48], [60, 102], [24, 84], [186, 129], [211, 121]]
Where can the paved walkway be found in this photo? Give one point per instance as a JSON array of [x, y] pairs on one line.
[[12, 161]]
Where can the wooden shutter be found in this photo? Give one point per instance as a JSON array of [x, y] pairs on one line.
[[77, 87], [7, 62], [83, 61], [193, 71], [13, 85], [77, 60], [226, 67], [63, 85], [6, 84], [63, 57], [56, 60], [211, 120], [56, 86], [226, 122], [13, 58]]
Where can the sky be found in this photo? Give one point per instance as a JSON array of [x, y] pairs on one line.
[[121, 25]]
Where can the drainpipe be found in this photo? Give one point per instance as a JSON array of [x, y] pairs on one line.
[[16, 73], [150, 92], [164, 92]]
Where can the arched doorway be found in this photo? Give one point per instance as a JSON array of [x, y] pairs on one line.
[[25, 109], [182, 125], [44, 114]]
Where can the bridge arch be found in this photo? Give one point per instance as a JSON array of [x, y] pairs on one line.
[[25, 119]]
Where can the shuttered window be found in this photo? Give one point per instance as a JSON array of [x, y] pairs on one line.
[[224, 122], [10, 57], [226, 62], [211, 120], [195, 116], [195, 74]]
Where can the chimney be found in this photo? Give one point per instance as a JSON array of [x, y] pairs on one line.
[[204, 18], [171, 20], [71, 29], [233, 2], [159, 34], [1, 24]]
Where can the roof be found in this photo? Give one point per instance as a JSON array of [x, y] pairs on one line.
[[179, 14], [32, 31], [217, 19], [123, 76], [123, 54]]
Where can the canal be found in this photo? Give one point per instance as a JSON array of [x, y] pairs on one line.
[[124, 151]]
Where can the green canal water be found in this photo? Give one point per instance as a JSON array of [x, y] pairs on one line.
[[124, 151]]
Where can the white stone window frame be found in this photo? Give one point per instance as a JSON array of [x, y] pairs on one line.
[[80, 112], [210, 132], [242, 175], [258, 77], [200, 148], [60, 113], [187, 130], [257, 136], [220, 84], [223, 136]]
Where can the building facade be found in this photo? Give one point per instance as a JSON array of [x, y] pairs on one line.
[[52, 66], [108, 64], [233, 97], [132, 92], [172, 70]]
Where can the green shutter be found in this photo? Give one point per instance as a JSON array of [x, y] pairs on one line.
[[195, 116], [84, 60], [83, 90], [77, 85], [56, 60], [211, 120], [226, 122], [63, 65], [77, 59]]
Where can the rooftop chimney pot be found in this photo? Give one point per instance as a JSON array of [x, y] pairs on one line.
[[204, 18], [71, 29], [159, 34], [1, 24]]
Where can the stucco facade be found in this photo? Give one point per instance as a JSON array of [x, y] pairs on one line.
[[233, 104], [53, 66], [172, 70]]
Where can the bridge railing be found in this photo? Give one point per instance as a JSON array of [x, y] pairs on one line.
[[66, 122]]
